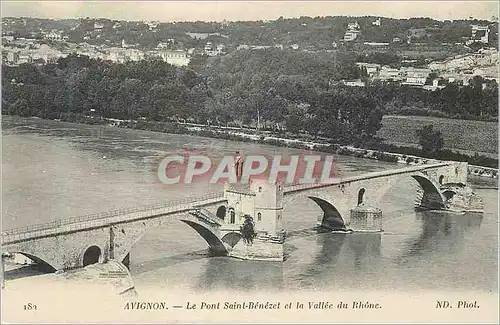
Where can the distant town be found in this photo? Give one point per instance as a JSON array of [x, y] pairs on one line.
[[419, 44]]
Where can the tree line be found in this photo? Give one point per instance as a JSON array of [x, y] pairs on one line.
[[476, 101], [242, 89], [270, 89]]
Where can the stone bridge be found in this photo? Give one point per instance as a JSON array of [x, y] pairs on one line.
[[85, 240], [77, 242], [338, 198]]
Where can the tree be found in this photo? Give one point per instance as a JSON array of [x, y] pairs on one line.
[[431, 140], [247, 230]]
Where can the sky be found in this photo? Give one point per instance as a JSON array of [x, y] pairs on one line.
[[166, 11]]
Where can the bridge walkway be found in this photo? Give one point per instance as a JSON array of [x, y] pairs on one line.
[[104, 219], [291, 189]]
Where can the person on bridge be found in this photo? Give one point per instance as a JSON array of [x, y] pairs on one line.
[[238, 165]]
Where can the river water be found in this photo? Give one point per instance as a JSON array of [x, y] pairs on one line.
[[53, 170]]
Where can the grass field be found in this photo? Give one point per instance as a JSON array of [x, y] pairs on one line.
[[466, 136]]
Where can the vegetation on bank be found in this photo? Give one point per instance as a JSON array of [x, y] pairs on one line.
[[281, 90]]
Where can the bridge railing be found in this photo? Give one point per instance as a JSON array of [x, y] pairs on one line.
[[109, 214]]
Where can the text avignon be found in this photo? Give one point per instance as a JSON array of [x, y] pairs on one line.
[[145, 305]]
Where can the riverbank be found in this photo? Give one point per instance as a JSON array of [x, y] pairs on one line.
[[269, 138]]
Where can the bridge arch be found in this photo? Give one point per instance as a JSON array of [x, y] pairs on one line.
[[41, 264], [432, 198], [216, 244], [332, 218], [232, 238], [92, 255]]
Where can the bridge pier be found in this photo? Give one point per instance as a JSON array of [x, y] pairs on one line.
[[126, 261], [2, 270], [366, 218]]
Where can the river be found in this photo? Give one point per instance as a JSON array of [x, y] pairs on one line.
[[53, 170]]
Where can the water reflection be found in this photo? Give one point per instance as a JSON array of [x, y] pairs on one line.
[[228, 273], [441, 231], [341, 258], [136, 269], [357, 249]]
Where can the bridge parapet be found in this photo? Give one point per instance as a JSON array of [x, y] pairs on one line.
[[339, 181], [102, 219]]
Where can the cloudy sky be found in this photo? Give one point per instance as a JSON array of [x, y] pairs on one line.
[[246, 10]]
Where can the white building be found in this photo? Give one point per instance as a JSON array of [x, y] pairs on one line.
[[415, 76], [350, 35], [435, 85], [353, 83], [46, 53], [388, 73], [98, 26], [53, 36], [152, 25], [353, 26], [176, 57], [12, 56], [352, 32], [376, 22], [480, 33]]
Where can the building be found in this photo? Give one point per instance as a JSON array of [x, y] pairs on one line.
[[479, 34], [24, 58], [435, 85], [376, 44], [98, 26], [371, 68], [116, 54], [12, 57], [46, 53], [415, 76], [178, 58], [205, 35], [213, 50], [163, 45], [8, 38], [352, 32], [376, 22], [388, 74], [220, 49], [353, 26], [209, 49], [353, 83], [134, 55], [350, 35], [152, 25], [53, 36]]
